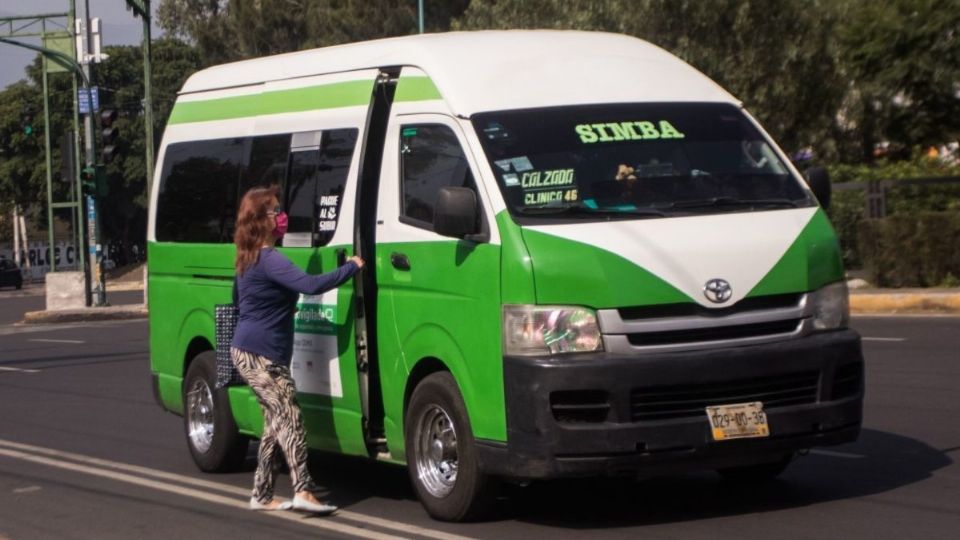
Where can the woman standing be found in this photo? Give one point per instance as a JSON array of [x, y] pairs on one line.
[[268, 286]]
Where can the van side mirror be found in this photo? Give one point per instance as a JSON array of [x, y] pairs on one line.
[[819, 181], [455, 214]]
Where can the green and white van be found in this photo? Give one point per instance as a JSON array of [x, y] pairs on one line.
[[584, 258]]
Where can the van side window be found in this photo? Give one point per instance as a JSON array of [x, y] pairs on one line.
[[314, 189], [430, 158], [198, 191]]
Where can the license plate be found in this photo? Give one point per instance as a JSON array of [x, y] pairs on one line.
[[738, 421]]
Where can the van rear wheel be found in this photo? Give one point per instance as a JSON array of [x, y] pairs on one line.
[[441, 456], [214, 441]]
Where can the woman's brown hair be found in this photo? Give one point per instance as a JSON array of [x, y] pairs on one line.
[[254, 225]]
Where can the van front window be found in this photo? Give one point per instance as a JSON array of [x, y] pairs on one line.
[[634, 161]]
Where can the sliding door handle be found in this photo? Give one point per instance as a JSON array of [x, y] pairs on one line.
[[399, 261]]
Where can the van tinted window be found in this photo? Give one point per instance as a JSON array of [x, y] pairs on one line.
[[634, 161], [430, 158], [198, 191], [266, 161], [202, 181]]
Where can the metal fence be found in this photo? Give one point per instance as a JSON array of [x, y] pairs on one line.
[[876, 192]]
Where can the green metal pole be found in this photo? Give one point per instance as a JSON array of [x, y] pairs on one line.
[[148, 96], [46, 142], [77, 189]]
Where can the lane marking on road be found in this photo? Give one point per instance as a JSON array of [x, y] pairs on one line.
[[223, 488], [833, 453], [28, 489], [196, 494], [57, 340], [14, 329], [20, 370], [11, 329], [883, 339]]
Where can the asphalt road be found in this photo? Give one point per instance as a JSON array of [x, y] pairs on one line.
[[86, 453]]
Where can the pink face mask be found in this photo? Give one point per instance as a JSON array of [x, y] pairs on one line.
[[282, 223]]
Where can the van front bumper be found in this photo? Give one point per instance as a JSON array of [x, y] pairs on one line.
[[605, 414]]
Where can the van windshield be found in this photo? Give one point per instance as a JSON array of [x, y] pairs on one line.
[[634, 161]]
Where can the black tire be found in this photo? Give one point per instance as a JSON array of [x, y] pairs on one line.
[[757, 473], [473, 492], [214, 442], [19, 285]]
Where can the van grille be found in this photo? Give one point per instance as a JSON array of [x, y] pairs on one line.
[[690, 326], [683, 401], [719, 333], [690, 309]]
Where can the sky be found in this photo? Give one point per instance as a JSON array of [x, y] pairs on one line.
[[119, 27]]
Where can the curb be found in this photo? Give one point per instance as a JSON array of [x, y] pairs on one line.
[[120, 286], [109, 313], [906, 303]]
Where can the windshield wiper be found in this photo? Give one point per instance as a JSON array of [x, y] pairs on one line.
[[731, 201], [587, 211]]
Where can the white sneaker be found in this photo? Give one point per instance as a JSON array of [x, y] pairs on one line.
[[259, 506], [315, 508]]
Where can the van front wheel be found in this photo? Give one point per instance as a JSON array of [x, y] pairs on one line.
[[212, 436], [441, 456]]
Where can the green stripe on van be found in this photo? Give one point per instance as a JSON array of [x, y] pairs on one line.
[[327, 96], [416, 89], [812, 261]]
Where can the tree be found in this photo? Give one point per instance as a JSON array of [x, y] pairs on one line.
[[239, 29], [22, 166], [22, 178], [903, 59]]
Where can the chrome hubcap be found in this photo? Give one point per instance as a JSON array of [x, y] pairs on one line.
[[436, 446], [200, 416]]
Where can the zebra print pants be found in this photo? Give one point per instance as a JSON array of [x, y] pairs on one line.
[[282, 423]]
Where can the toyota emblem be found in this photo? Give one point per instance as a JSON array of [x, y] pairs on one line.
[[717, 291]]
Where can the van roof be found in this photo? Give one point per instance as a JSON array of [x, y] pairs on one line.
[[498, 70]]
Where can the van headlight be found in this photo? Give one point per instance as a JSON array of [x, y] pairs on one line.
[[536, 330], [831, 306]]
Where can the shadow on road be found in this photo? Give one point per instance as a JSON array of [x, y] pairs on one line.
[[889, 461]]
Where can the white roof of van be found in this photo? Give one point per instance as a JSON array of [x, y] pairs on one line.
[[498, 70]]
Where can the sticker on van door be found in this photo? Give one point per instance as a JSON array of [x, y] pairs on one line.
[[517, 164], [316, 361], [547, 187]]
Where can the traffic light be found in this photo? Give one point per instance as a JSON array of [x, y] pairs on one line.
[[26, 121], [88, 180], [93, 181], [108, 135]]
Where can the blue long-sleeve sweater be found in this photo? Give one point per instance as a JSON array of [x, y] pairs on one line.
[[267, 294]]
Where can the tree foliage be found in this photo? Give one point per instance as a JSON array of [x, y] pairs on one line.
[[21, 181], [120, 78], [903, 62], [239, 29]]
